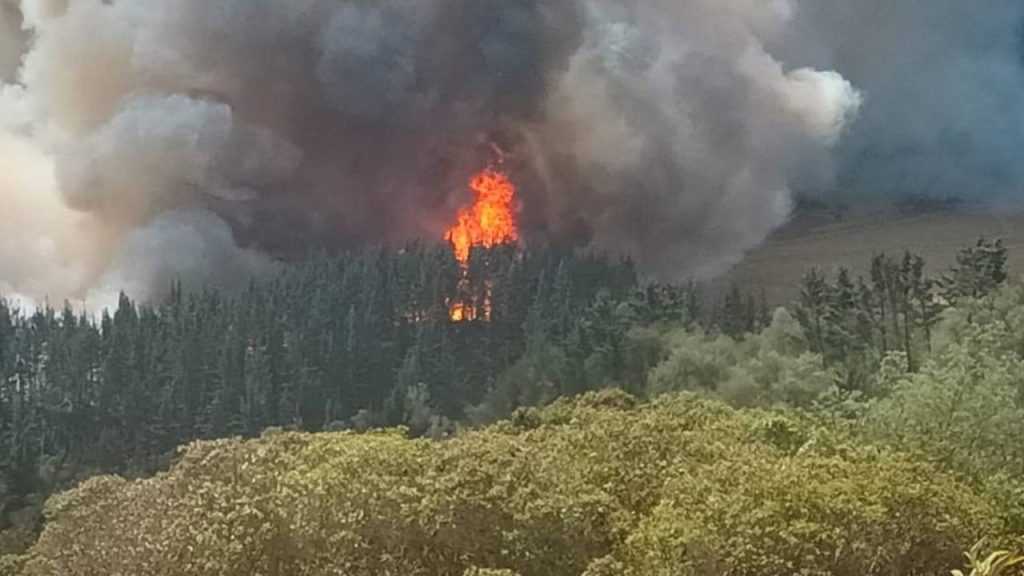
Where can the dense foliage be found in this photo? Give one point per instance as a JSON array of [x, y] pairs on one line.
[[339, 342], [892, 398], [600, 486]]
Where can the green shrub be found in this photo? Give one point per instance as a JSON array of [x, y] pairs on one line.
[[603, 486]]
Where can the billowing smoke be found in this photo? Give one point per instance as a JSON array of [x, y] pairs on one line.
[[147, 140], [943, 80]]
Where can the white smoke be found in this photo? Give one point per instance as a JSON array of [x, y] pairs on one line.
[[683, 130], [147, 141], [190, 244]]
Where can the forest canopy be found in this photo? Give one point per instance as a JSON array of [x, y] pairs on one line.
[[863, 430], [598, 486]]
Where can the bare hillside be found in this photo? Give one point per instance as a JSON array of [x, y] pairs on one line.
[[778, 265]]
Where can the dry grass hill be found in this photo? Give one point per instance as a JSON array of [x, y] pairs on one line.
[[829, 243]]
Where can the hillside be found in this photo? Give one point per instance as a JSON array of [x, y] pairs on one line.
[[778, 265]]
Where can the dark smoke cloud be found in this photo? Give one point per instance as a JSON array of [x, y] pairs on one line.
[[199, 139]]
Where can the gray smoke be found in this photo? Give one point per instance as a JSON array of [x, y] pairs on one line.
[[942, 80], [147, 140]]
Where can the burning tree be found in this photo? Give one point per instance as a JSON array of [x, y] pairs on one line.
[[490, 221]]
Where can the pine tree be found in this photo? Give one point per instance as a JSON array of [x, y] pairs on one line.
[[812, 311], [979, 270]]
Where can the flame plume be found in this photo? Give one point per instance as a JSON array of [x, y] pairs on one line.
[[489, 222]]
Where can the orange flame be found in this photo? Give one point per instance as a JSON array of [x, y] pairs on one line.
[[459, 312], [490, 221]]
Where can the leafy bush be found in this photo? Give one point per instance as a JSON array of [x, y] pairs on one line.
[[768, 369], [811, 515], [967, 400], [601, 486], [958, 411]]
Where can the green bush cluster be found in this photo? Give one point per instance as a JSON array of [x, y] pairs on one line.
[[601, 486]]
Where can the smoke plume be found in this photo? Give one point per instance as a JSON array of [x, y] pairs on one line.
[[942, 83], [146, 140]]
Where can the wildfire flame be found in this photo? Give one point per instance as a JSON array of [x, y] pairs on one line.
[[489, 222], [459, 312]]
